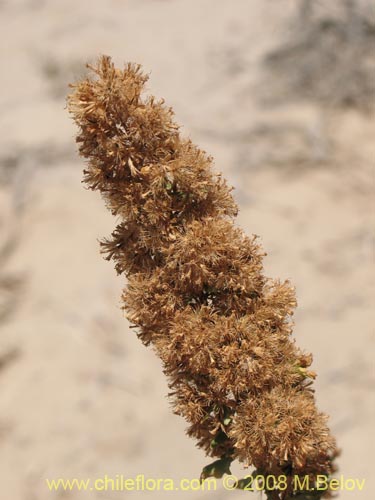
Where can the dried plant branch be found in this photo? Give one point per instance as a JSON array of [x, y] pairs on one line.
[[196, 288]]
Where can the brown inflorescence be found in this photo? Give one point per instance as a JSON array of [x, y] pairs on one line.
[[196, 288]]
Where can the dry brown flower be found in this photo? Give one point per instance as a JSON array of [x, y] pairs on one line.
[[196, 288]]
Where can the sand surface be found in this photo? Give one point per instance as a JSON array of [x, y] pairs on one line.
[[79, 395]]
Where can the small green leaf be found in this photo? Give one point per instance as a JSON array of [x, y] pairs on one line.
[[216, 469]]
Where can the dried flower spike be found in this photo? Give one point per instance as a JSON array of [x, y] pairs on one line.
[[196, 288]]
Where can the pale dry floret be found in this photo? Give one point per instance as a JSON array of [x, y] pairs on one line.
[[196, 289], [283, 433]]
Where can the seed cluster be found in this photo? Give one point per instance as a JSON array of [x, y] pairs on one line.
[[196, 288]]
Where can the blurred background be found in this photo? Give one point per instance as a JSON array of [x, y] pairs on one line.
[[281, 93]]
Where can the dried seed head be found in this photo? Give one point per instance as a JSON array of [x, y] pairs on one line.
[[196, 288]]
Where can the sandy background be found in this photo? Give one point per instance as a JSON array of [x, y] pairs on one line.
[[281, 94]]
